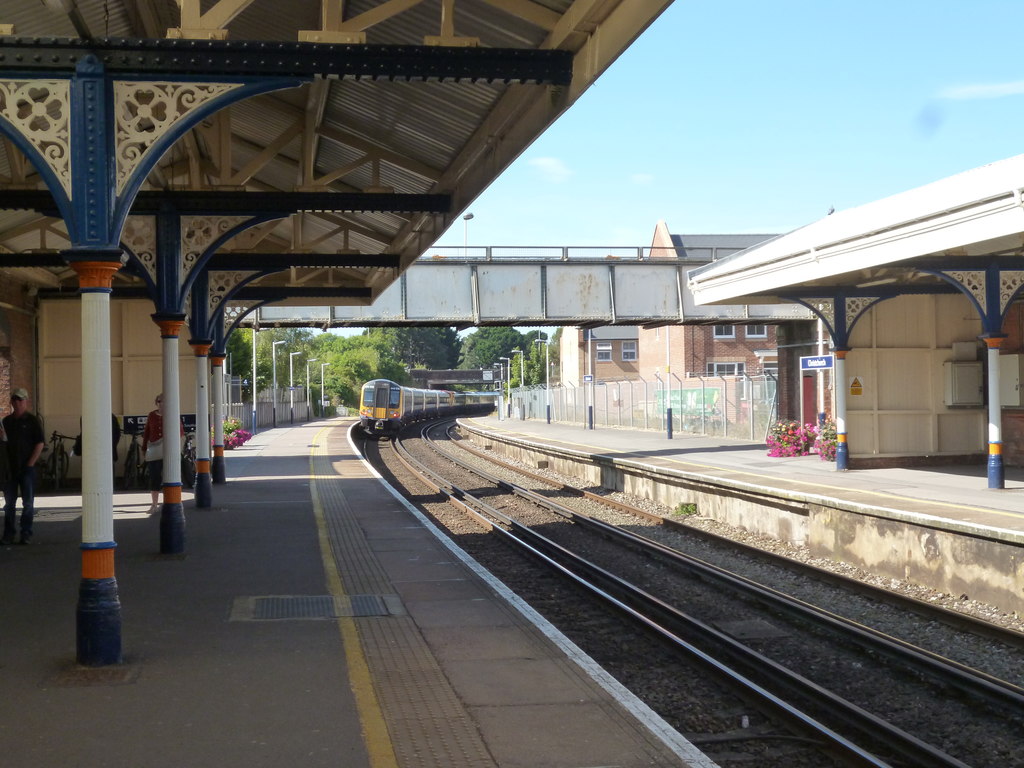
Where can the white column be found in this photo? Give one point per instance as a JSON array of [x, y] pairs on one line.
[[97, 474]]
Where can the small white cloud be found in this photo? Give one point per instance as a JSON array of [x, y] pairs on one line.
[[642, 179], [551, 168], [983, 91]]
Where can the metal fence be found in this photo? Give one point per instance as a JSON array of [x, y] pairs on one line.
[[728, 406]]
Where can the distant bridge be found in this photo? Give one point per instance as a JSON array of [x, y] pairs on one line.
[[466, 287]]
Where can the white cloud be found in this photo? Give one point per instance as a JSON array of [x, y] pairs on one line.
[[642, 179], [552, 169], [983, 91]]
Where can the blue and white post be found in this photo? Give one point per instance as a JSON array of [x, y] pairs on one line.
[[996, 471]]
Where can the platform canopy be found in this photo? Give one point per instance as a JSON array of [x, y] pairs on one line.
[[406, 111], [906, 243]]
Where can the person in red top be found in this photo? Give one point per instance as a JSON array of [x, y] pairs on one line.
[[153, 450]]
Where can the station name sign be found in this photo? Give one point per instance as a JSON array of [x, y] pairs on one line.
[[817, 362]]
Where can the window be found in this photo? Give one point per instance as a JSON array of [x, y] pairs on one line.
[[604, 352], [726, 369], [725, 332], [628, 351], [757, 331]]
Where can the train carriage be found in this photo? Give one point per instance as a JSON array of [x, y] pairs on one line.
[[386, 406]]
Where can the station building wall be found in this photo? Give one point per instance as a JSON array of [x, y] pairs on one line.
[[895, 385], [135, 364], [17, 339]]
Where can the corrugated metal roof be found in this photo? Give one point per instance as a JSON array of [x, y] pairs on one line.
[[412, 137]]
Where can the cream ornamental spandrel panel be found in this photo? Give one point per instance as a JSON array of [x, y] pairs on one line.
[[956, 319]]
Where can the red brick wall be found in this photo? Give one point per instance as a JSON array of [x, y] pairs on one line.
[[17, 340]]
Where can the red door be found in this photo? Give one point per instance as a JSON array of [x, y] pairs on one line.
[[809, 400]]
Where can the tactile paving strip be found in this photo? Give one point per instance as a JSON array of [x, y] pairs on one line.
[[428, 724]]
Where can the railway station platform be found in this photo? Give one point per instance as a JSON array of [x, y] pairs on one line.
[[955, 492], [313, 620], [938, 526]]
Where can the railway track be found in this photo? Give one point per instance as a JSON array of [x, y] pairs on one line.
[[751, 634]]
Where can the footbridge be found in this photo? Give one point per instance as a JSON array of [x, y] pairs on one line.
[[488, 286]]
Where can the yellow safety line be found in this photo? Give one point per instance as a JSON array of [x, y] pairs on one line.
[[816, 485], [371, 717]]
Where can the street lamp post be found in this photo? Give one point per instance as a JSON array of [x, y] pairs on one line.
[[547, 375], [322, 366], [522, 383], [291, 386], [273, 358], [308, 403], [465, 234], [508, 380]]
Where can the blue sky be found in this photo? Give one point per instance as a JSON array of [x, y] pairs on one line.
[[757, 117]]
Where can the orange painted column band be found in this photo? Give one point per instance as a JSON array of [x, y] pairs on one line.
[[841, 353], [97, 563], [169, 328], [201, 350], [995, 449], [172, 494], [218, 451], [95, 274], [993, 342], [841, 437], [203, 466]]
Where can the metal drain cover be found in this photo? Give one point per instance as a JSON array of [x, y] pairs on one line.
[[278, 607]]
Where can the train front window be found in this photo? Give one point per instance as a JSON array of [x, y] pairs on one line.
[[367, 397], [396, 397]]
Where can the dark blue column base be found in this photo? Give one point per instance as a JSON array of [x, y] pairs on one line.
[[172, 528], [996, 471], [203, 490], [218, 470], [842, 457], [99, 623]]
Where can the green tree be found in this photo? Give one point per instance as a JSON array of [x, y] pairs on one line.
[[433, 348], [484, 347]]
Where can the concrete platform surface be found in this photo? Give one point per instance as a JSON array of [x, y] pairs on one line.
[[314, 620], [953, 495]]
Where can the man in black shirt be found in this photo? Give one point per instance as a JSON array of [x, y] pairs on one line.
[[25, 442]]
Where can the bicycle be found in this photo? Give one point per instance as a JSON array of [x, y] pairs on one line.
[[135, 467], [188, 461], [55, 470]]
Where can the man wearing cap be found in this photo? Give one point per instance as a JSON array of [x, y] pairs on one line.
[[25, 442]]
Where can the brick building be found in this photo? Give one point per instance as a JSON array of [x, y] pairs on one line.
[[704, 349]]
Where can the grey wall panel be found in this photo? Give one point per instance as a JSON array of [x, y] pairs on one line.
[[510, 291], [646, 291], [443, 291], [579, 292]]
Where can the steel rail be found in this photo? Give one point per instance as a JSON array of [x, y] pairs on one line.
[[976, 626], [937, 667], [741, 664]]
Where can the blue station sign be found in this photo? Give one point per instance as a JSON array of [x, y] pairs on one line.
[[817, 362]]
